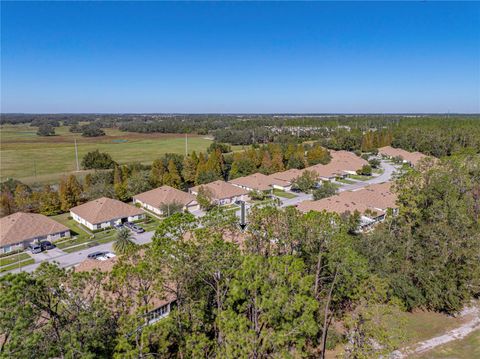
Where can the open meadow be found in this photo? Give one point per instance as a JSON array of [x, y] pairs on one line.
[[31, 158]]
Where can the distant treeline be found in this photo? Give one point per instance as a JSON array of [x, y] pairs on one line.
[[437, 135]]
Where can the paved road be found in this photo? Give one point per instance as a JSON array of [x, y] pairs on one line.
[[70, 259], [388, 170]]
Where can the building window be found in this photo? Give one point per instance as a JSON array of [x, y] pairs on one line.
[[158, 313]]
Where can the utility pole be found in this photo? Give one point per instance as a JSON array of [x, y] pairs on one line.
[[35, 168], [186, 144], [76, 155]]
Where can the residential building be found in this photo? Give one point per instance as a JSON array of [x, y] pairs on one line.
[[254, 182], [20, 229], [160, 197], [284, 180], [342, 164], [371, 202], [412, 158], [222, 192], [105, 212]]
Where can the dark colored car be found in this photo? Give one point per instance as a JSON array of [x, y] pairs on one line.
[[94, 255], [136, 228], [35, 248], [46, 245]]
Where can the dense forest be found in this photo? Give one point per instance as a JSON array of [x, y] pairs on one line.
[[280, 289]]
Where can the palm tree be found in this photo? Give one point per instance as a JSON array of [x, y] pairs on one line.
[[124, 243]]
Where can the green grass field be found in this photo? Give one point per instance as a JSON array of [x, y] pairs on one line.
[[466, 348], [31, 158], [17, 265], [14, 258], [280, 193]]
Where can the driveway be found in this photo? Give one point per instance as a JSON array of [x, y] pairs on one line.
[[47, 255], [66, 260]]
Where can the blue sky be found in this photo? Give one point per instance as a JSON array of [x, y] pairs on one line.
[[319, 57]]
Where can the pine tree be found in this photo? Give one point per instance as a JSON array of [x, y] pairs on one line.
[[318, 154], [119, 184], [266, 166], [189, 169], [277, 162], [172, 177], [24, 200], [157, 172], [7, 203], [49, 202], [70, 193]]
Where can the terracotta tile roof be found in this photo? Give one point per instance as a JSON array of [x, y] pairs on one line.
[[105, 209], [286, 177], [338, 204], [342, 162], [375, 198], [412, 157], [256, 181], [378, 196], [21, 226], [164, 195], [221, 190]]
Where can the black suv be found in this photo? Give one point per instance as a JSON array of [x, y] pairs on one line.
[[46, 245]]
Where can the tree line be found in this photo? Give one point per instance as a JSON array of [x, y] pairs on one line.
[[113, 180]]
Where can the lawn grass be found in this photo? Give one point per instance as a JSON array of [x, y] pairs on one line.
[[84, 241], [425, 325], [31, 158], [13, 258], [419, 326], [17, 265], [150, 223], [343, 180], [466, 348], [360, 178], [281, 193]]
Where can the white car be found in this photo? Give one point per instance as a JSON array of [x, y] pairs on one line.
[[101, 256]]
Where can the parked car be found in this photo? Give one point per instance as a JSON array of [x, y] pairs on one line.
[[105, 256], [94, 255], [46, 245], [128, 224], [136, 228], [238, 202], [118, 226], [35, 248], [101, 255]]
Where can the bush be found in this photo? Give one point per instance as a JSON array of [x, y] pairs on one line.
[[375, 163], [257, 195], [327, 189], [306, 181], [97, 160], [46, 130], [366, 170], [92, 130], [333, 339]]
